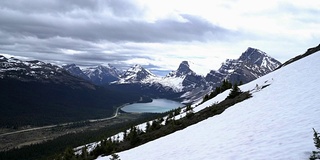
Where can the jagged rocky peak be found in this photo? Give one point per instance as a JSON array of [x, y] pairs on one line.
[[75, 71], [101, 74], [183, 69], [214, 76], [3, 58], [260, 58], [136, 73], [138, 69], [252, 54], [71, 67], [135, 68]]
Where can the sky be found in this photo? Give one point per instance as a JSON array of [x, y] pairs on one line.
[[158, 35]]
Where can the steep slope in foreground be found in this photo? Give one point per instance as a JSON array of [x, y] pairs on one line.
[[276, 123]]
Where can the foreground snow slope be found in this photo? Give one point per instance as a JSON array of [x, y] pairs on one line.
[[276, 123]]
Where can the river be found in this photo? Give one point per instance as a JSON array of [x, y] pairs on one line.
[[156, 106]]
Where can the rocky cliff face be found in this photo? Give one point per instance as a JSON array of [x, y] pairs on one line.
[[252, 64], [101, 75]]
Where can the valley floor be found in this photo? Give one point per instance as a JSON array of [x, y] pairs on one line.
[[10, 139]]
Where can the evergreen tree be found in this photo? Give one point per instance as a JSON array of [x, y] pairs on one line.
[[188, 108], [124, 135], [177, 111], [225, 85], [205, 98], [218, 90], [148, 127], [115, 157], [234, 92], [156, 124], [133, 136], [84, 152], [316, 154], [69, 154], [316, 139]]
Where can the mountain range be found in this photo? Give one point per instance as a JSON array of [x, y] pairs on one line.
[[189, 86], [37, 93], [69, 93]]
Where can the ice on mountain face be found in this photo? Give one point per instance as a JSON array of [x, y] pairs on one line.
[[137, 74], [276, 123]]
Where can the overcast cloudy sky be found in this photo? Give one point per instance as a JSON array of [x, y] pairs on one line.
[[157, 34]]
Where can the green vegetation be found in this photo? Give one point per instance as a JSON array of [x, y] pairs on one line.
[[54, 149], [234, 92], [316, 154], [224, 86]]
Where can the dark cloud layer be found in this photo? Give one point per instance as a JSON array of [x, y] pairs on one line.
[[45, 26], [47, 30]]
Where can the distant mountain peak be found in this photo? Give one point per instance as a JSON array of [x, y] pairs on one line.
[[184, 63], [183, 69], [75, 70], [102, 74], [252, 54], [135, 68], [259, 58], [136, 73], [252, 63]]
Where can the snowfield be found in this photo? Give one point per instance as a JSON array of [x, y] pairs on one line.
[[276, 123]]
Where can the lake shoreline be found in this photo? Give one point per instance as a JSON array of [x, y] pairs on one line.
[[155, 106]]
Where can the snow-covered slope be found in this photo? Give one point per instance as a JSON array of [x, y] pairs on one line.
[[276, 123]]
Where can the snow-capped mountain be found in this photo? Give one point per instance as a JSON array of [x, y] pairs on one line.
[[252, 64], [180, 80], [136, 74], [183, 82], [189, 79], [182, 71], [98, 75], [102, 74], [275, 123], [38, 71]]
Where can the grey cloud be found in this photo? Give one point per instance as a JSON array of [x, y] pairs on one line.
[[95, 26], [48, 6], [43, 29]]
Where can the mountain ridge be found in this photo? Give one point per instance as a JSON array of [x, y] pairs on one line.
[[183, 84]]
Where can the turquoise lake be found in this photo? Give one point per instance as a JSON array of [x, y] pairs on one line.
[[156, 106]]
